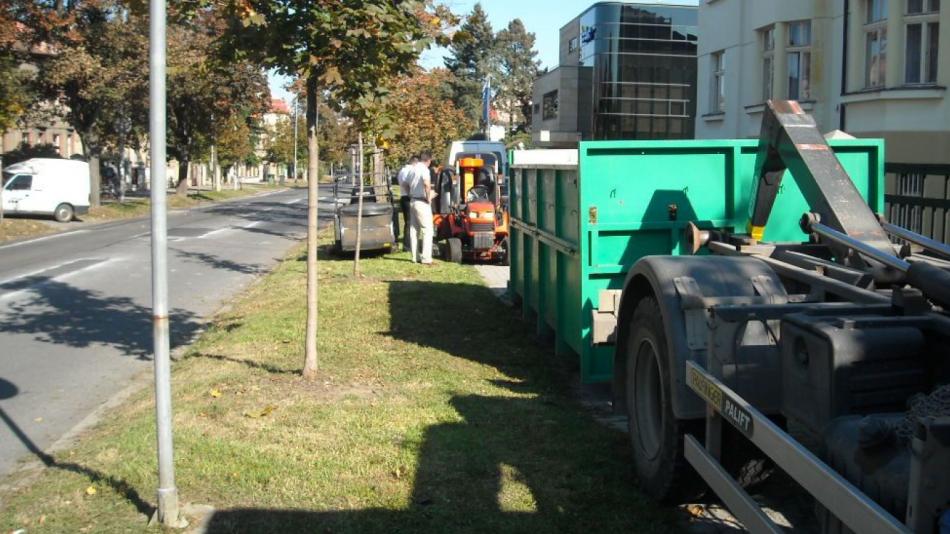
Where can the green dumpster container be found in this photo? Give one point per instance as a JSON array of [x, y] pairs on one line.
[[581, 218]]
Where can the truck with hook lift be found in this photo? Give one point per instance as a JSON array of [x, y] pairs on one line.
[[820, 347]]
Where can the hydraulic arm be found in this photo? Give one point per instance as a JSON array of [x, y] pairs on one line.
[[790, 140]]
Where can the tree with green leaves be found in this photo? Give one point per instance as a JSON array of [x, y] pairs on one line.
[[473, 58], [16, 91], [234, 141], [345, 47], [422, 104], [520, 68], [94, 74], [205, 91], [15, 94]]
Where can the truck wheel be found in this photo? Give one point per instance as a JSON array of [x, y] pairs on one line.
[[453, 247], [655, 434], [63, 213]]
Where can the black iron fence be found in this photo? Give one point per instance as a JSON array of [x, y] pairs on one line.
[[918, 198]]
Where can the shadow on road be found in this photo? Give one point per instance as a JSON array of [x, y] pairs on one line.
[[121, 487], [60, 314], [218, 262]]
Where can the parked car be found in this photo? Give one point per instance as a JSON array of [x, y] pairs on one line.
[[47, 186]]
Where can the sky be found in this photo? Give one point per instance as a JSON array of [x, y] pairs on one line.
[[544, 18]]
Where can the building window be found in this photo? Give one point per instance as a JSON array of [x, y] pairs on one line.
[[875, 49], [549, 105], [799, 60], [537, 108], [572, 45], [768, 61], [718, 100], [921, 34], [876, 11]]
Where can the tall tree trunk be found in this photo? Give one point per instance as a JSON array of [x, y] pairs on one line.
[[313, 187], [181, 188], [95, 180], [122, 172], [359, 208], [215, 171]]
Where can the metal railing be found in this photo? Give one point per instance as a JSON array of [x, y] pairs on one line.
[[921, 198]]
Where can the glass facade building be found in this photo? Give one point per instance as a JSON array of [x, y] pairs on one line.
[[641, 60]]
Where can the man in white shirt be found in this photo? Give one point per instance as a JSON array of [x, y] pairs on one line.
[[403, 180], [420, 191]]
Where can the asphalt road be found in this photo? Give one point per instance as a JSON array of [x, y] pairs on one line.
[[75, 316]]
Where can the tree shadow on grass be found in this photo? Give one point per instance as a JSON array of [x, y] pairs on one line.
[[273, 369], [60, 314], [510, 465], [530, 462], [121, 487]]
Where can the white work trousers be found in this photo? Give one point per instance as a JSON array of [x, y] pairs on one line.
[[421, 218]]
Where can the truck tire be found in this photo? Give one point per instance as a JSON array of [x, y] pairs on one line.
[[64, 213], [656, 436], [453, 250]]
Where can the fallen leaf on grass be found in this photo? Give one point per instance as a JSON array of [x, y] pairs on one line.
[[215, 393], [91, 490], [261, 413], [38, 420]]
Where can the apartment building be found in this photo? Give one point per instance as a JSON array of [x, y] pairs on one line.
[[872, 68]]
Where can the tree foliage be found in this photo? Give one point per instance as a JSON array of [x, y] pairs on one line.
[[205, 91], [347, 48], [234, 141], [92, 75], [15, 89], [520, 68], [473, 58], [429, 119]]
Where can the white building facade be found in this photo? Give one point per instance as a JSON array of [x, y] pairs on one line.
[[872, 68]]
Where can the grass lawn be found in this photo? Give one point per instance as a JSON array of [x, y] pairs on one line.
[[22, 227], [435, 412]]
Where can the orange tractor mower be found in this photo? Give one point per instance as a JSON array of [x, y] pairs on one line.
[[470, 221]]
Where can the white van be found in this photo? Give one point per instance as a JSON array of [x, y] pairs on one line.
[[47, 186]]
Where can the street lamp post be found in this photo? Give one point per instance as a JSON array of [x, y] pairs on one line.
[[168, 511]]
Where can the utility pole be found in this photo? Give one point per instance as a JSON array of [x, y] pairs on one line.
[[168, 514]]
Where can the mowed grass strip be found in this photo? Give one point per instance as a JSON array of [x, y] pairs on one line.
[[435, 411]]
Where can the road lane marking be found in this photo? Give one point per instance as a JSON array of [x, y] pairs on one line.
[[301, 199], [44, 238], [253, 224], [86, 264], [214, 232]]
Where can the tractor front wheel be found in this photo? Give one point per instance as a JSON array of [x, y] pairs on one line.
[[453, 250]]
